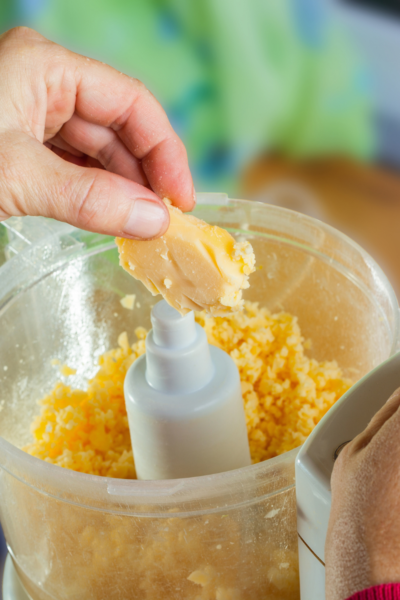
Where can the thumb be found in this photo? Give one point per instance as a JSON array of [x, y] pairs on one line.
[[38, 182]]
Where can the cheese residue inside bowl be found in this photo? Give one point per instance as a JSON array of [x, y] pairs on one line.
[[285, 395]]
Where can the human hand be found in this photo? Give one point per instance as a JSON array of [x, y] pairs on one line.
[[82, 143], [363, 542]]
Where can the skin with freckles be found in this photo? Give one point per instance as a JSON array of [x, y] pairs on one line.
[[363, 542], [82, 143]]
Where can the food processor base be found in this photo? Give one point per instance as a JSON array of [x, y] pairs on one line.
[[12, 587], [312, 580]]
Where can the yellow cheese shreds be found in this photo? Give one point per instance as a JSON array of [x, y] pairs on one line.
[[285, 394], [67, 371], [88, 431]]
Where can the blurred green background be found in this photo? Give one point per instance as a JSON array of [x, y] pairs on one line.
[[236, 78]]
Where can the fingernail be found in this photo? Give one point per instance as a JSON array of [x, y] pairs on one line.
[[147, 219]]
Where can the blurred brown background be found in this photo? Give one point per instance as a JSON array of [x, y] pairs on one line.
[[362, 200]]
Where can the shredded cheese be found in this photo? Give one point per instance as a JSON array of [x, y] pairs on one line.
[[285, 394], [128, 301]]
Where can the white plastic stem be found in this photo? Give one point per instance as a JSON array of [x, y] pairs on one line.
[[184, 403], [170, 329], [177, 351]]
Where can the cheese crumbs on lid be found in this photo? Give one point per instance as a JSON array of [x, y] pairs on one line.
[[285, 395], [194, 265], [128, 301]]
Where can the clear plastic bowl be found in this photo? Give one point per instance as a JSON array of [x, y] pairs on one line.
[[227, 536]]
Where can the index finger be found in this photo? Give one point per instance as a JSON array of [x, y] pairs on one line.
[[112, 99]]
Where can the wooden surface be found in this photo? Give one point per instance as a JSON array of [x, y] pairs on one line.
[[363, 201]]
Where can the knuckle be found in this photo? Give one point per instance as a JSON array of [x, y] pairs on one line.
[[21, 46], [21, 34], [24, 32], [87, 195], [138, 85]]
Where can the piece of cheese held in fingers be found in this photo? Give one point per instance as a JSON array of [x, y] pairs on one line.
[[194, 265]]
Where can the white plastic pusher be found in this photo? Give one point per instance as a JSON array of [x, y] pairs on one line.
[[184, 403]]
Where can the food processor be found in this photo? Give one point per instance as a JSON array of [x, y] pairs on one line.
[[228, 536]]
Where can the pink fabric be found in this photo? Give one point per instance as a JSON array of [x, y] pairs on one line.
[[388, 591]]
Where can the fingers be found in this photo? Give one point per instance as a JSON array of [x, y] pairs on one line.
[[73, 157], [57, 143], [104, 145], [38, 182], [45, 85], [378, 421], [110, 99]]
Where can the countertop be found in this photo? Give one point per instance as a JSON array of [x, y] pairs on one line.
[[362, 200]]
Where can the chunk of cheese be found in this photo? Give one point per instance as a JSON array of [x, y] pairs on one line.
[[194, 265]]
